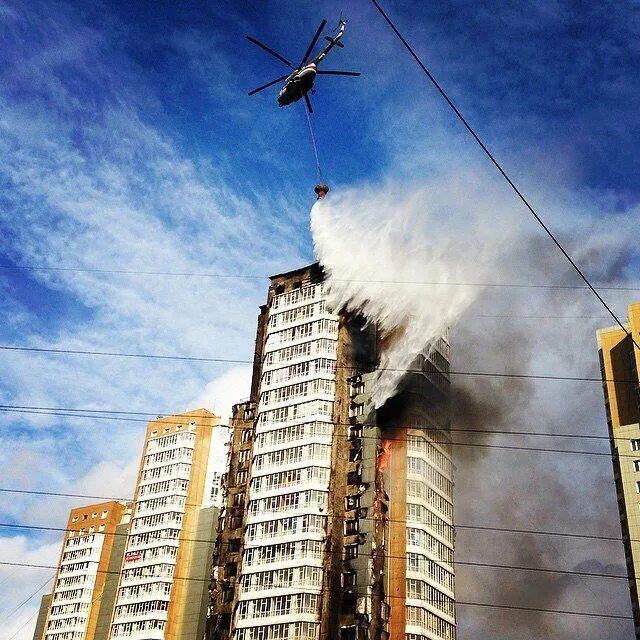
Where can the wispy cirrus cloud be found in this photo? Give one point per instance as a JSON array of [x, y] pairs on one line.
[[90, 181]]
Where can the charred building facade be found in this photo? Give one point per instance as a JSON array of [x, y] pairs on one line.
[[338, 518]]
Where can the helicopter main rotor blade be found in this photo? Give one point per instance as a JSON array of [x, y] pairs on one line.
[[308, 102], [322, 72], [268, 50], [264, 86], [313, 42]]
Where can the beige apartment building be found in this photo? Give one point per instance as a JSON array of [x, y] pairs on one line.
[[84, 588], [619, 364], [141, 570], [163, 584]]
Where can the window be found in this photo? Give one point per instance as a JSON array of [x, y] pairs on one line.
[[637, 486], [352, 502], [351, 552], [241, 478], [74, 519], [349, 579], [635, 445], [636, 465], [105, 514], [350, 527], [85, 516], [101, 528], [227, 595]]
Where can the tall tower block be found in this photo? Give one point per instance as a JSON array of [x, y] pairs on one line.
[[619, 365], [84, 588], [163, 582], [338, 517]]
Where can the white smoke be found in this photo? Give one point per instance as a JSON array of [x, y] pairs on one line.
[[375, 247]]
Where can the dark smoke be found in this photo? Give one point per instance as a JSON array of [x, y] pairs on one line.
[[532, 490]]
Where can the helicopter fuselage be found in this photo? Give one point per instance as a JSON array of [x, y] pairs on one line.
[[298, 84]]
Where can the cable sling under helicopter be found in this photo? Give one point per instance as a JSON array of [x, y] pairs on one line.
[[313, 142]]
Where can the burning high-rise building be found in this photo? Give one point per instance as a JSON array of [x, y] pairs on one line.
[[619, 366], [338, 518]]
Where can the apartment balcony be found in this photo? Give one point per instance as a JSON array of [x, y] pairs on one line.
[[170, 506], [149, 561], [310, 395], [317, 352], [153, 544], [303, 484], [134, 581], [70, 622], [85, 541], [155, 593], [307, 377], [168, 523], [145, 634], [182, 458], [69, 614], [119, 618], [66, 573], [253, 620]]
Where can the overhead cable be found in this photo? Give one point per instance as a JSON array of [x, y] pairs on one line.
[[502, 172], [511, 530], [452, 372], [235, 276], [490, 605]]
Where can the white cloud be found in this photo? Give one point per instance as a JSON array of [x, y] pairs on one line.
[[223, 392]]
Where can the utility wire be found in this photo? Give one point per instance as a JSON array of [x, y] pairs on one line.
[[29, 598], [90, 413], [535, 532], [98, 414], [502, 172], [233, 276], [453, 444], [313, 142], [489, 605], [508, 567], [452, 372]]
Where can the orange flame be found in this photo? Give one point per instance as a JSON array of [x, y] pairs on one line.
[[384, 454]]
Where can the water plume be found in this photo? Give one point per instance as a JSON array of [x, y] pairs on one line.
[[404, 259]]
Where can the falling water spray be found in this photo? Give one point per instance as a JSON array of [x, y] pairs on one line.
[[402, 260]]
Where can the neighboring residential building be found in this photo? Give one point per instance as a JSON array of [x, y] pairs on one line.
[[163, 586], [84, 589], [338, 519], [619, 365]]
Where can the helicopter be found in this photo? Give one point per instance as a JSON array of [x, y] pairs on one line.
[[299, 83]]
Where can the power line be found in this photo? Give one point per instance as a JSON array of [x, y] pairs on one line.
[[454, 444], [536, 532], [502, 172], [508, 567], [452, 372], [29, 598], [489, 605], [107, 414], [514, 285]]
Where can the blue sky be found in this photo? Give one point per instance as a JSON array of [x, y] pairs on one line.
[[128, 143]]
